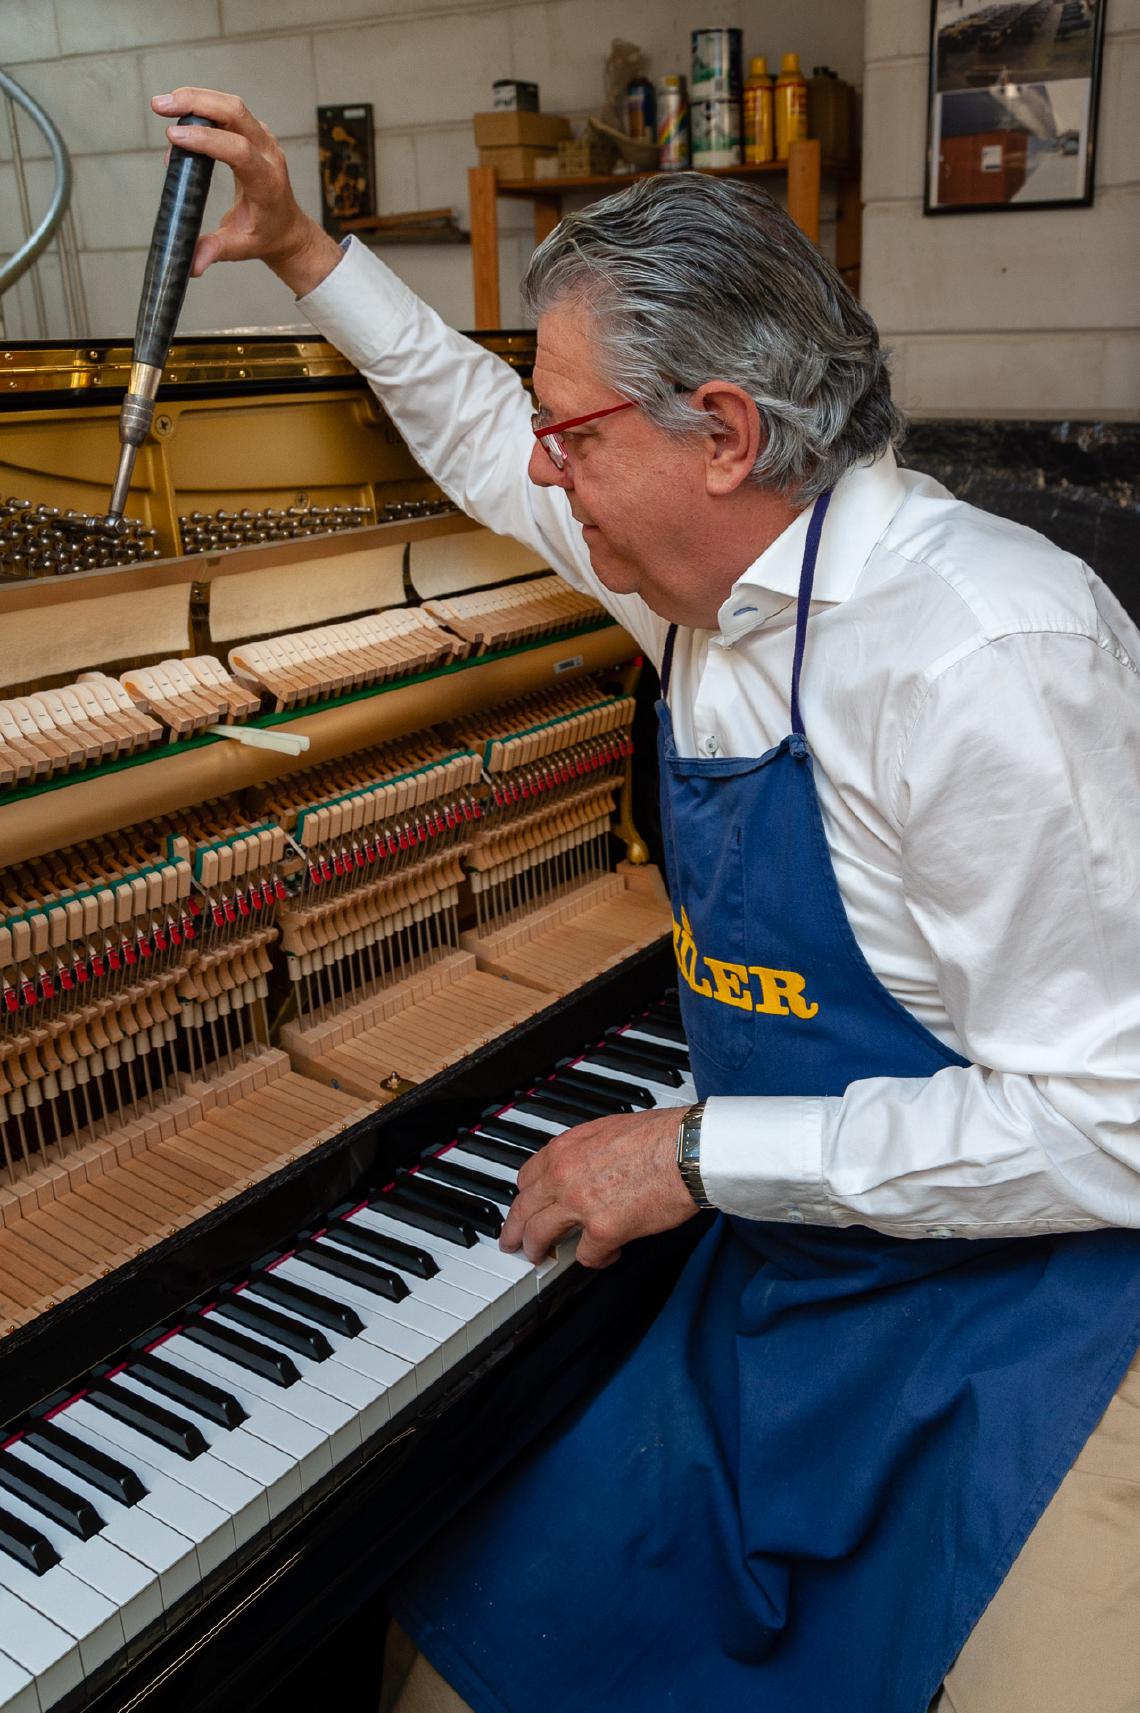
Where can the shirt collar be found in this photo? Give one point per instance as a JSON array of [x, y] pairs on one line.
[[865, 500]]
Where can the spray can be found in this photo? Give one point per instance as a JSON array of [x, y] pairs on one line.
[[716, 65], [791, 105], [640, 110], [759, 113], [716, 134], [672, 124]]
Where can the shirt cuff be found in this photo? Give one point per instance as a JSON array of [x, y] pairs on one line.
[[762, 1158], [359, 305]]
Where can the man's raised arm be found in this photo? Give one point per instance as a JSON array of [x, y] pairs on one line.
[[462, 411]]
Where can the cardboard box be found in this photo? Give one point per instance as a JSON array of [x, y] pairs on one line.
[[520, 130], [515, 163]]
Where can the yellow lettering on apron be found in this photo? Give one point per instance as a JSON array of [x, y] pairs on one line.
[[685, 951], [730, 983], [782, 993]]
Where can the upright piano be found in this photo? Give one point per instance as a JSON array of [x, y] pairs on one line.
[[322, 909]]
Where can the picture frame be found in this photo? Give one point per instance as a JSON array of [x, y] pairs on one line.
[[1012, 104], [347, 155]]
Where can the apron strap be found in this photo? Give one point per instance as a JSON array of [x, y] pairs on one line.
[[667, 662], [807, 577]]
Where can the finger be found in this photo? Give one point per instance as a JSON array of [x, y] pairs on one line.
[[546, 1229], [207, 251], [523, 1208], [593, 1254], [233, 148], [226, 110]]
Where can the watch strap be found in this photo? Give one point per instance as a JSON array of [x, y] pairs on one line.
[[689, 1153]]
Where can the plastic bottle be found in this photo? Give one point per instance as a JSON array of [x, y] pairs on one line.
[[791, 105], [759, 113], [829, 113]]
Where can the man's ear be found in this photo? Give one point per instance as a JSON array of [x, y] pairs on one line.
[[735, 438]]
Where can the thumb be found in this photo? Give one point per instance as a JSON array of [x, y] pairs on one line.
[[591, 1253], [207, 251]]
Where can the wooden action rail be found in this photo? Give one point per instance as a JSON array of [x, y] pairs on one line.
[[518, 612], [142, 1181], [333, 660]]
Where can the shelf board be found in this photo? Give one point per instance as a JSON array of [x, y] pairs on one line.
[[554, 187]]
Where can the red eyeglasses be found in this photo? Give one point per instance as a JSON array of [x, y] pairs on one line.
[[547, 433]]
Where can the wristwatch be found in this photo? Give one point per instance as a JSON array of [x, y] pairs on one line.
[[689, 1153]]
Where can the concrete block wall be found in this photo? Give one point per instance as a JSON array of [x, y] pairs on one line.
[[425, 67], [1026, 314]]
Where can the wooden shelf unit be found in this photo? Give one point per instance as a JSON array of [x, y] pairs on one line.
[[803, 170]]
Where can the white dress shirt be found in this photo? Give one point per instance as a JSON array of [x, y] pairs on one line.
[[971, 696]]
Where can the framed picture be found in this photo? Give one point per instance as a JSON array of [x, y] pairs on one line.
[[1013, 99], [348, 164]]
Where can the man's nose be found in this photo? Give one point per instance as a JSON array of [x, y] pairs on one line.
[[544, 473]]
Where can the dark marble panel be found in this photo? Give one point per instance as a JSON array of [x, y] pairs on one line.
[[1076, 482]]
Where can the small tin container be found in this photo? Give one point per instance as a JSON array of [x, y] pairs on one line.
[[641, 110], [717, 73], [672, 124], [717, 134]]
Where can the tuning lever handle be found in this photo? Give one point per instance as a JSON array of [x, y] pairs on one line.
[[172, 249]]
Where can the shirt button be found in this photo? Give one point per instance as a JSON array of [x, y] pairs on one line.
[[939, 1231], [711, 746], [794, 1216]]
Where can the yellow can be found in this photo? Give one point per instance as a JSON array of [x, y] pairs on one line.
[[759, 113], [791, 105]]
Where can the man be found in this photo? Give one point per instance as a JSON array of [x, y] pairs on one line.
[[899, 792]]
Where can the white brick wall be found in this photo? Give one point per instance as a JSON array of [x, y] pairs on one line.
[[426, 67], [1026, 314]]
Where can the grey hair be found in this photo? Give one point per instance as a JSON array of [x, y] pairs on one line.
[[690, 279]]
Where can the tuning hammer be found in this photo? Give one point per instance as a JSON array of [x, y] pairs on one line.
[[176, 230]]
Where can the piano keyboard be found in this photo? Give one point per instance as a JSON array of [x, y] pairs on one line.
[[165, 1470]]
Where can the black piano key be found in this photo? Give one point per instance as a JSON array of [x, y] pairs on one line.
[[484, 1215], [48, 1496], [625, 1098], [26, 1545], [667, 1007], [322, 1311], [593, 1104], [279, 1328], [626, 1062], [272, 1365], [444, 1171], [555, 1109], [488, 1148], [202, 1396], [397, 1204], [657, 1052], [354, 1269], [151, 1420], [378, 1246], [519, 1135], [664, 1029], [95, 1467]]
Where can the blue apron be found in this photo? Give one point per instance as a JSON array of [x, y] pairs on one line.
[[806, 1482]]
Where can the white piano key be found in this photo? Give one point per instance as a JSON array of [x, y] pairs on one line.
[[441, 1295], [130, 1586], [170, 1555], [421, 1350], [328, 1415], [484, 1270], [490, 1168], [363, 1394], [243, 1502], [205, 1525], [306, 1446], [532, 1121], [357, 1353], [18, 1692], [664, 1094], [35, 1651], [270, 1469], [234, 1495], [72, 1605]]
